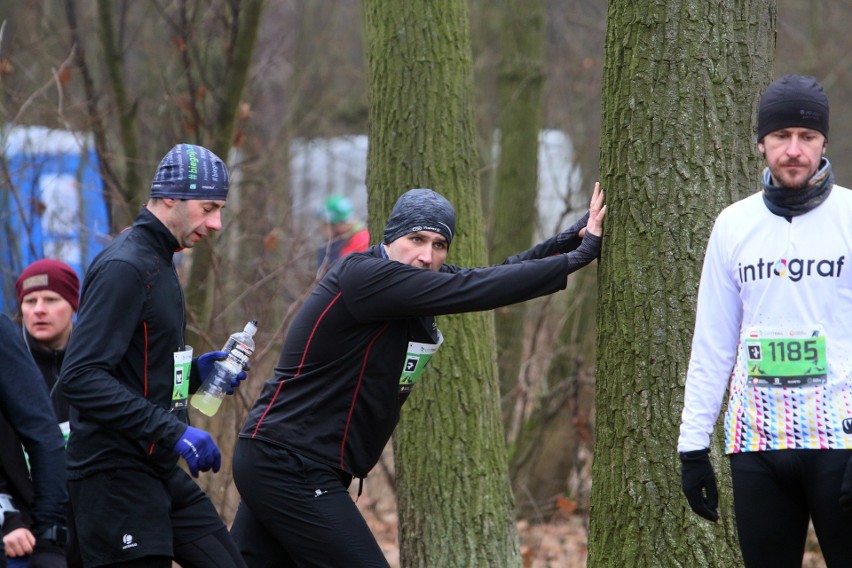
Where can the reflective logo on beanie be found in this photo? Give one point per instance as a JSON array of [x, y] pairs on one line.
[[440, 228], [193, 165], [39, 280], [813, 115]]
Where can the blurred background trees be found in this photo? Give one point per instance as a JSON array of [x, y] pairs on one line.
[[256, 80]]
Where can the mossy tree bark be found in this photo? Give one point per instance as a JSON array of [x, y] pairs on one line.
[[681, 85], [519, 86], [454, 499]]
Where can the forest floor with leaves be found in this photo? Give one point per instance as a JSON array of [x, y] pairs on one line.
[[559, 543], [562, 542]]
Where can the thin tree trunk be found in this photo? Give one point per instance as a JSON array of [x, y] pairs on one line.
[[113, 194], [202, 286], [548, 453], [134, 191], [519, 86]]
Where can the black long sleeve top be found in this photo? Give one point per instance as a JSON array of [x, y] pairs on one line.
[[336, 394], [118, 372]]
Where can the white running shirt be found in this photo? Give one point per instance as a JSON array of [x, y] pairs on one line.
[[784, 290]]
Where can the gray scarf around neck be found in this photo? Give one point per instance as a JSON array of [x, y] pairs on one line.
[[786, 202]]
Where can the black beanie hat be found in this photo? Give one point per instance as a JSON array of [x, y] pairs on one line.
[[421, 210], [792, 100], [191, 172]]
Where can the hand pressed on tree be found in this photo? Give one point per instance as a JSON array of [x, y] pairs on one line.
[[597, 212]]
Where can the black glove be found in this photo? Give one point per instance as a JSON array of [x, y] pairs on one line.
[[846, 488], [699, 483], [47, 555], [568, 240]]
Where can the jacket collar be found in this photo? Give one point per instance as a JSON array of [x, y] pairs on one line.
[[157, 233]]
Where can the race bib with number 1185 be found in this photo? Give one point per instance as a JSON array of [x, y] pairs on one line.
[[786, 358]]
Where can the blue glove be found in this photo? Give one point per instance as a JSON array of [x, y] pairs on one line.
[[235, 381], [199, 450], [205, 362]]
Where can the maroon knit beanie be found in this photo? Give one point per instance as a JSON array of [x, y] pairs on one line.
[[49, 274]]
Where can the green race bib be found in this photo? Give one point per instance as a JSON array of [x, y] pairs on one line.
[[786, 358], [416, 359], [180, 388]]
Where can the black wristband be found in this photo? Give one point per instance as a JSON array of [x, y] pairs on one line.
[[56, 534]]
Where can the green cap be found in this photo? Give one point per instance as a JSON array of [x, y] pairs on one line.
[[338, 209]]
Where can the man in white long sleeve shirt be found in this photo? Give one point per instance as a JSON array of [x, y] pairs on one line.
[[774, 327]]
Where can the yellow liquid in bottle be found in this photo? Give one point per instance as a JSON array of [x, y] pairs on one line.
[[205, 403]]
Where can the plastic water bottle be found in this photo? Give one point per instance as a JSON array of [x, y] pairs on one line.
[[239, 348]]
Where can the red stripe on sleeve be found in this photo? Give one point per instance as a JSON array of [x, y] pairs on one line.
[[301, 363]]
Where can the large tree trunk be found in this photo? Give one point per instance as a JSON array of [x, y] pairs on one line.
[[455, 503], [681, 84]]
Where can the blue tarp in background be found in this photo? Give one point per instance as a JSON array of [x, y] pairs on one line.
[[54, 206]]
